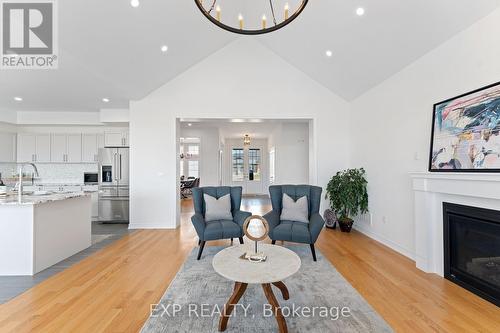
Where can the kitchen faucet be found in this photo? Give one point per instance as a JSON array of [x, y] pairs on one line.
[[20, 188]]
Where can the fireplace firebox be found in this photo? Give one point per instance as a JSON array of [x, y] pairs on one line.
[[472, 249]]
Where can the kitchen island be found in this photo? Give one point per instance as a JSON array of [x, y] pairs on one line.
[[39, 231]]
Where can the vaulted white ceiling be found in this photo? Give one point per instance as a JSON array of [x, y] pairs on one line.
[[109, 49]]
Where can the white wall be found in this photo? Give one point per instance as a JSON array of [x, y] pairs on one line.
[[7, 142], [58, 118], [51, 118], [291, 144], [114, 115], [209, 153], [242, 80], [7, 128], [8, 116], [391, 124]]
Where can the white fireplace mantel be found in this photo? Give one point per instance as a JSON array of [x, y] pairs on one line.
[[430, 191]]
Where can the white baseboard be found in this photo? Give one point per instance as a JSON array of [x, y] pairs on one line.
[[394, 246]]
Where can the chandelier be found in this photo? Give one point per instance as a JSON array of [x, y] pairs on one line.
[[251, 17], [246, 140]]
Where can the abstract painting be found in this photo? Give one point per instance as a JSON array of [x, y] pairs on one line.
[[466, 132]]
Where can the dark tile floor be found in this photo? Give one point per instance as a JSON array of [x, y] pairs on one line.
[[103, 234]]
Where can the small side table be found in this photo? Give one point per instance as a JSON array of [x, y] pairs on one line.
[[281, 263]]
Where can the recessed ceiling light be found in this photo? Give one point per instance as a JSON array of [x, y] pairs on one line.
[[135, 3], [190, 124], [105, 100], [329, 53], [18, 99], [164, 48], [360, 11]]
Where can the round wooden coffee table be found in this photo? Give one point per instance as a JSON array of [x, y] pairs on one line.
[[281, 263]]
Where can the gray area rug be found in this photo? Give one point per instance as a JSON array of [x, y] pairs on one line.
[[197, 294]]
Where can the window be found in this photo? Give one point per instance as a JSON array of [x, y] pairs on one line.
[[238, 165], [193, 149], [193, 169], [254, 164], [189, 165]]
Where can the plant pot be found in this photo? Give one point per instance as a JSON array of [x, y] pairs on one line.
[[345, 224]]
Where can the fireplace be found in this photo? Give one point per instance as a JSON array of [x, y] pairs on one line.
[[472, 249]]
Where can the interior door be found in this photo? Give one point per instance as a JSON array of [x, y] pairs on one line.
[[246, 169], [254, 170], [237, 167]]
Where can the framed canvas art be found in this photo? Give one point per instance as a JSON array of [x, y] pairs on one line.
[[466, 132]]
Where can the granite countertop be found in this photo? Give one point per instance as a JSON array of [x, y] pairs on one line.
[[39, 199]]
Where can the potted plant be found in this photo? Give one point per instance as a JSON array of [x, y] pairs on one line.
[[348, 196]]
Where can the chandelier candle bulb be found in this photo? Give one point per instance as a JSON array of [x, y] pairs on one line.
[[287, 10], [264, 21], [217, 11], [240, 18]]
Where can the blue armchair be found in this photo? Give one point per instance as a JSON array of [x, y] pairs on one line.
[[220, 229], [293, 231]]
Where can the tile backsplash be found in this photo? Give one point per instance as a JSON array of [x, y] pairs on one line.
[[51, 173]]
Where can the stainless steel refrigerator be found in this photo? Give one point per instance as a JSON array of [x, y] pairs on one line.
[[114, 185]]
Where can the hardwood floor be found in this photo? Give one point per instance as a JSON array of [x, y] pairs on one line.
[[111, 291]]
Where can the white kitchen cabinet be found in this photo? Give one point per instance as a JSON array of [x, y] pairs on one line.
[[58, 148], [90, 147], [33, 147], [42, 148], [35, 237], [100, 141], [26, 147], [95, 199], [74, 148], [116, 139], [95, 205], [126, 141], [7, 147], [66, 148]]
